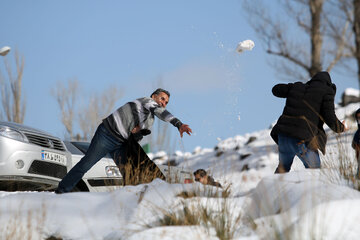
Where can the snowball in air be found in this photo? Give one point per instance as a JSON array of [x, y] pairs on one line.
[[4, 50], [245, 45]]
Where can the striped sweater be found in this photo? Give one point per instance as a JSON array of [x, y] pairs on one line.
[[137, 113]]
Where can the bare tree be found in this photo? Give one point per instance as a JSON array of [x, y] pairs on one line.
[[13, 102], [296, 36], [350, 12], [98, 107], [357, 35], [66, 97]]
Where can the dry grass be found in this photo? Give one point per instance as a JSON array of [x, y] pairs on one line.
[[138, 174], [339, 164], [196, 210], [19, 228]]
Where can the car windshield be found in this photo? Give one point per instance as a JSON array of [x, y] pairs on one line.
[[72, 149], [81, 148]]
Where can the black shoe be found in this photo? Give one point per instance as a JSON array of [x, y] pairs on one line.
[[57, 191]]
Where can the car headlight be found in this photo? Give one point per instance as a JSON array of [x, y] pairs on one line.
[[112, 171], [13, 134]]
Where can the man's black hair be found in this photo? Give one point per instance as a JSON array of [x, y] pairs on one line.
[[159, 90], [201, 172]]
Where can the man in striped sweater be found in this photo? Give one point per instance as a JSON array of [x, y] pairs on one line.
[[134, 118]]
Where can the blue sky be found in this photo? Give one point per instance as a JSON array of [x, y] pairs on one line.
[[188, 44]]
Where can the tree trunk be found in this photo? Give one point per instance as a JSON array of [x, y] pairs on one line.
[[13, 103], [357, 36], [316, 7]]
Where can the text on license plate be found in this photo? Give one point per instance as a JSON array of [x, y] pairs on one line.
[[54, 157]]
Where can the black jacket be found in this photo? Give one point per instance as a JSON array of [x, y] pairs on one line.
[[308, 106]]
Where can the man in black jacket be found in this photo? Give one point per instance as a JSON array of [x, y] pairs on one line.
[[299, 130]]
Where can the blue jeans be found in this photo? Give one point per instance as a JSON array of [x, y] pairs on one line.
[[289, 148], [101, 144]]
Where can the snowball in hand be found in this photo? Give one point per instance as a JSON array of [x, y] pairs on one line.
[[245, 45]]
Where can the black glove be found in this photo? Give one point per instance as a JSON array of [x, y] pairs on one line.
[[140, 134]]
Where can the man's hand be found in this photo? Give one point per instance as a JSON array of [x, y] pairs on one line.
[[135, 129], [185, 128]]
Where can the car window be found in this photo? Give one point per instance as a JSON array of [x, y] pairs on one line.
[[83, 147], [72, 149]]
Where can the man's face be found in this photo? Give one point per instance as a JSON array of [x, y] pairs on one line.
[[162, 99]]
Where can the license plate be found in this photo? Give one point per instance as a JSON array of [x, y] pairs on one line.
[[54, 157]]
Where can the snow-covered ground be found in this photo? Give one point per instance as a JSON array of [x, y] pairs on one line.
[[301, 204]]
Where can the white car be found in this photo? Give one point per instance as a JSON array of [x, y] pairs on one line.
[[106, 176], [30, 159]]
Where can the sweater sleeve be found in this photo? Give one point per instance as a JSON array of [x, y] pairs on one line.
[[166, 116]]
